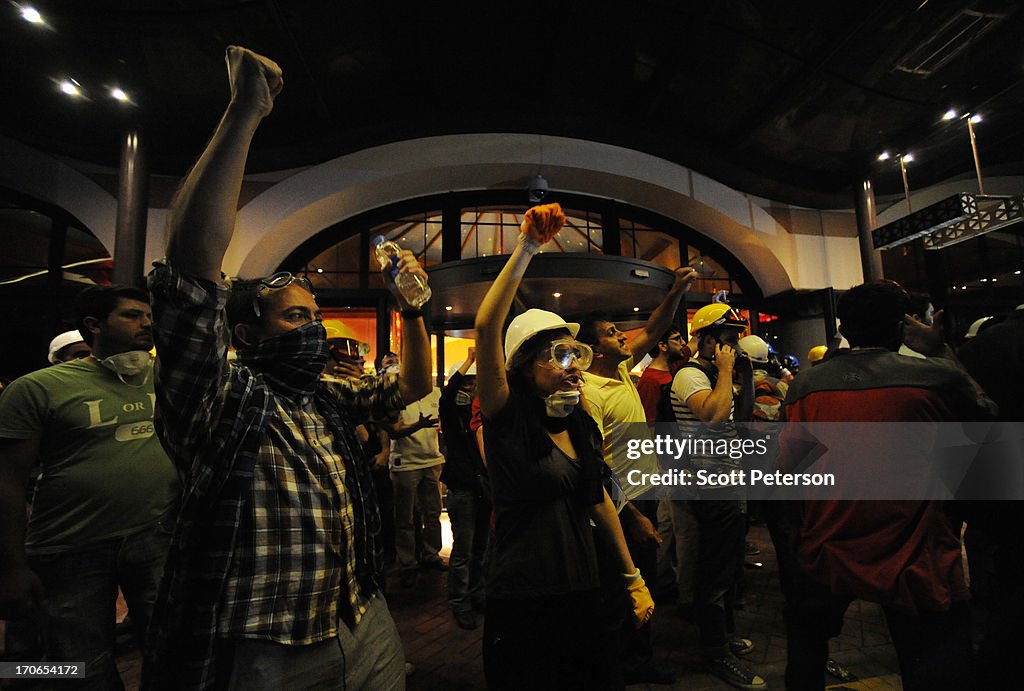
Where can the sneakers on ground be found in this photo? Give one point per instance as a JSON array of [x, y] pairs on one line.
[[838, 671], [435, 564], [733, 672], [408, 578], [645, 673], [741, 646], [750, 549], [466, 619]]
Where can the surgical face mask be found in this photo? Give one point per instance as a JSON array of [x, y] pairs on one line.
[[561, 403], [128, 364], [463, 398]]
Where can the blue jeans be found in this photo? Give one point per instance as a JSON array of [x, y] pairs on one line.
[[417, 489], [367, 657], [81, 595], [470, 515]]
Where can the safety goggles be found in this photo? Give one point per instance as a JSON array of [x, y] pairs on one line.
[[282, 279], [565, 350]]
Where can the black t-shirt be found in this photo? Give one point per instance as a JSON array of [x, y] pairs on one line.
[[544, 541]]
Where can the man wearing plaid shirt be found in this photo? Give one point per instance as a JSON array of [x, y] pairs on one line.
[[271, 579]]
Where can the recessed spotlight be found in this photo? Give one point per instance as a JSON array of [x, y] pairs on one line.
[[70, 87], [949, 114], [319, 271], [994, 280], [556, 295], [449, 308], [31, 14], [984, 280], [963, 287], [1017, 272], [636, 309], [118, 94]]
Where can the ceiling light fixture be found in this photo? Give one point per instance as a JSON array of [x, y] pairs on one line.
[[954, 219], [71, 87], [319, 271], [556, 295], [949, 114], [118, 94], [449, 308], [636, 309], [30, 14], [884, 156]]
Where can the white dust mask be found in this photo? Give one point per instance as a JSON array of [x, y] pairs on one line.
[[561, 403]]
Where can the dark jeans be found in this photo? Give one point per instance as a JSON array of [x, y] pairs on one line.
[[555, 642], [933, 648], [470, 515], [81, 593], [721, 529]]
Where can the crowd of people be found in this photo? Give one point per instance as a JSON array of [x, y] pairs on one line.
[[247, 490]]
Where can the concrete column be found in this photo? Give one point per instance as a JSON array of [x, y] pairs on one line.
[[864, 204], [132, 207]]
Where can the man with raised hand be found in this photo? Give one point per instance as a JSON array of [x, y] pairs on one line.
[[271, 579], [615, 404]]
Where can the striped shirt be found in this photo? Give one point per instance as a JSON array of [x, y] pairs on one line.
[[689, 380], [275, 539]]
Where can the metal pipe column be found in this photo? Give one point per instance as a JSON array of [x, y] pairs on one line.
[[132, 209], [864, 204]]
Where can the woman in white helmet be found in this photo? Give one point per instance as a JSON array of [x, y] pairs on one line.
[[545, 623]]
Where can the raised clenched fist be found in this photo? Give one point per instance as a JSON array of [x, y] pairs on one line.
[[255, 80], [541, 223]]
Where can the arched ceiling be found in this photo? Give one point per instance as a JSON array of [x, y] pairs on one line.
[[787, 100]]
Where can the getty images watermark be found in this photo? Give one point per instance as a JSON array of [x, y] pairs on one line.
[[827, 461]]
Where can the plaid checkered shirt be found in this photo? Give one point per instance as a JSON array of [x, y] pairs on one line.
[[275, 539]]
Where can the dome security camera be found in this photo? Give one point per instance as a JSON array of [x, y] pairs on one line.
[[538, 189]]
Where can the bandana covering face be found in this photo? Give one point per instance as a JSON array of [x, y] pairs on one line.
[[463, 398], [292, 362]]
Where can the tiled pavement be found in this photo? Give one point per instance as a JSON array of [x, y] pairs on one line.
[[448, 658]]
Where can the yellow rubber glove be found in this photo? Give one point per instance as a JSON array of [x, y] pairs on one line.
[[643, 603]]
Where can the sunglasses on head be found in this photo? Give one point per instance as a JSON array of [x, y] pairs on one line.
[[282, 279]]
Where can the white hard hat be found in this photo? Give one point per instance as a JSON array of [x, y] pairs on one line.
[[530, 323], [975, 326], [63, 341], [471, 372], [755, 348]]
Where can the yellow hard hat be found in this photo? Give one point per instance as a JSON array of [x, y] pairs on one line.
[[816, 353], [716, 314]]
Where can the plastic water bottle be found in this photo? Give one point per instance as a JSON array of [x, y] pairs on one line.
[[413, 287]]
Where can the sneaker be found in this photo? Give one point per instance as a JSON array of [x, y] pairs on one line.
[[838, 671], [741, 646], [435, 564], [645, 673], [408, 578], [732, 671], [466, 620], [750, 549]]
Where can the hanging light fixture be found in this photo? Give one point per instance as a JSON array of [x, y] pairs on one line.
[[955, 219]]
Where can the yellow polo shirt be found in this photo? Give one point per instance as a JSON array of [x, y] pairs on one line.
[[616, 407]]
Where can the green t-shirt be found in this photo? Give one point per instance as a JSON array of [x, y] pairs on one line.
[[103, 472]]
